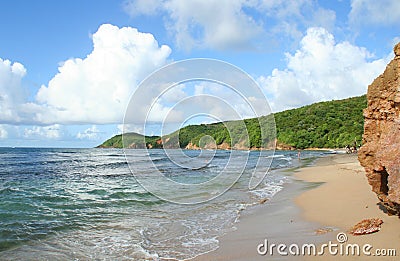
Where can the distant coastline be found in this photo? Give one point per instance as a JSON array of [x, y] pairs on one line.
[[323, 125]]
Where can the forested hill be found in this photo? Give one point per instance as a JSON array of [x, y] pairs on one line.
[[332, 124]]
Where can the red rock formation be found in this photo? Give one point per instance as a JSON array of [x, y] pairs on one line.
[[366, 226], [380, 153]]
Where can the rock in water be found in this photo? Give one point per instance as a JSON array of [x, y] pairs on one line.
[[380, 153]]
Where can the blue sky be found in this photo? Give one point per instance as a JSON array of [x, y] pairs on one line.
[[68, 68]]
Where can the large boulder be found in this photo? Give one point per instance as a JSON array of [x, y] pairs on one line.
[[380, 153]]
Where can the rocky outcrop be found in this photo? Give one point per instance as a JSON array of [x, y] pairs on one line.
[[283, 146], [192, 146], [380, 153], [366, 226], [136, 146], [212, 146]]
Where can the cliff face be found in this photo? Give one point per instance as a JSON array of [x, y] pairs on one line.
[[380, 154]]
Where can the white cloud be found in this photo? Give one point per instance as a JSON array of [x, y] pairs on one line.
[[288, 18], [174, 94], [159, 113], [12, 95], [282, 8], [138, 7], [229, 98], [303, 11], [233, 24], [216, 100], [395, 41], [3, 132], [323, 18], [48, 132], [218, 24], [93, 90], [321, 70], [91, 133], [96, 89], [383, 12], [124, 128], [10, 132]]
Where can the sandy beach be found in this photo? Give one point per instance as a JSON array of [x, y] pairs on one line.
[[330, 196], [343, 200]]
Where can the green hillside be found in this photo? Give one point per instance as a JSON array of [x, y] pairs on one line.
[[130, 139], [237, 134], [331, 124]]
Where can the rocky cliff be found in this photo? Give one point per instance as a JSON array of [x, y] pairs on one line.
[[380, 153]]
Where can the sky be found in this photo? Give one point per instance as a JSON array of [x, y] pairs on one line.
[[68, 69]]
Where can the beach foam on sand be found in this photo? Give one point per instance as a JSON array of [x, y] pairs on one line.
[[333, 194]]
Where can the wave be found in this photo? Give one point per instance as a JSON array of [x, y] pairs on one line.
[[275, 156], [268, 191], [86, 204]]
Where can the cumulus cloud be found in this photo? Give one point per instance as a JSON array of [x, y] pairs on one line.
[[174, 94], [91, 133], [96, 89], [233, 24], [124, 128], [231, 28], [321, 69], [12, 95], [92, 90], [287, 18], [3, 132], [53, 132], [383, 12]]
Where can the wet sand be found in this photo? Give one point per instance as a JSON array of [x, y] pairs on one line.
[[343, 200], [332, 196], [278, 220]]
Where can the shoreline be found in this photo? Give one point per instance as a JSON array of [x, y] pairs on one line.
[[331, 196], [344, 199], [278, 220], [337, 150]]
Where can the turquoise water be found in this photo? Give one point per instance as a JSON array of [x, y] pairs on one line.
[[79, 204]]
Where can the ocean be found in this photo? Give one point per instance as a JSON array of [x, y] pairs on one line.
[[80, 204]]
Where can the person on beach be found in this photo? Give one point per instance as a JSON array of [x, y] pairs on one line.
[[355, 147]]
